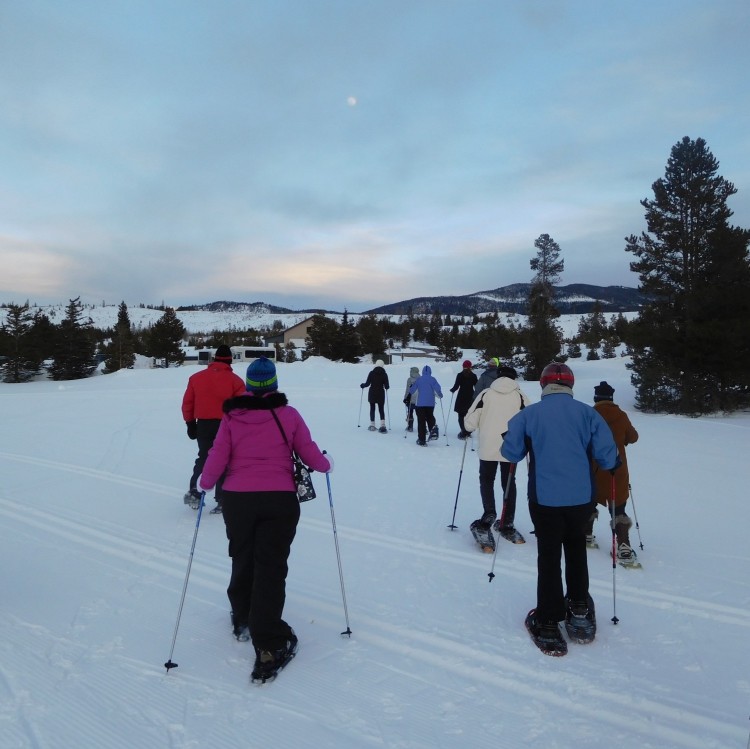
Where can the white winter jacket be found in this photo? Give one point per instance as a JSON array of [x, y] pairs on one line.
[[490, 413]]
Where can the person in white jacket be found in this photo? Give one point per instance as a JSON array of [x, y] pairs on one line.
[[490, 413]]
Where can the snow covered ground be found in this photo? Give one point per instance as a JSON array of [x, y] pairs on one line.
[[95, 541]]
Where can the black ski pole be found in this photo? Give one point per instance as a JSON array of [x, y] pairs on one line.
[[635, 516], [388, 408], [348, 630], [511, 474], [445, 429], [359, 416], [453, 526], [614, 553], [170, 664]]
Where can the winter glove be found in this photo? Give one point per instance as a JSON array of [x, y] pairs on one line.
[[192, 429], [617, 464], [363, 385], [406, 400]]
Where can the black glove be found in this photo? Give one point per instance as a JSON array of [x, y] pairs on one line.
[[406, 400], [363, 385], [617, 464], [192, 429]]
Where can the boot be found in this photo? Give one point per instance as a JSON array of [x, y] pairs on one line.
[[589, 529], [622, 527], [372, 427], [382, 429]]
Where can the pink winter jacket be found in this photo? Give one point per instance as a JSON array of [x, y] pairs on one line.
[[250, 448]]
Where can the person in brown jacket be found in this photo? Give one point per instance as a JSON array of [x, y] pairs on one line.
[[202, 411], [624, 434]]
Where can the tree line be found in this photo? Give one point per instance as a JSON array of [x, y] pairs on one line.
[[690, 343]]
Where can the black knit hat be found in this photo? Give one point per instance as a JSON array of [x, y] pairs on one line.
[[603, 392], [223, 353]]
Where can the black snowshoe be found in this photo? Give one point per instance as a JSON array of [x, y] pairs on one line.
[[482, 531], [580, 620], [509, 533], [546, 635], [268, 663], [434, 433]]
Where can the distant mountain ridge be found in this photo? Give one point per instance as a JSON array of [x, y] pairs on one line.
[[576, 298]]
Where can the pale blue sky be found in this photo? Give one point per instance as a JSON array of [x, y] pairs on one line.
[[345, 153]]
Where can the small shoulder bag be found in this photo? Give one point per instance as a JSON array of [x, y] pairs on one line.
[[302, 479]]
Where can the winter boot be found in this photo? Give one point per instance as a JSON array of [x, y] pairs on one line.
[[372, 427], [622, 527], [410, 425], [268, 663], [434, 433], [240, 629], [580, 620], [589, 530], [382, 429], [546, 635]]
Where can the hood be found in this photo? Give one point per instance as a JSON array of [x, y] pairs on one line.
[[426, 370], [504, 385], [252, 402], [414, 371]]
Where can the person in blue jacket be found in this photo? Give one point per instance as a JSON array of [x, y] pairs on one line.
[[560, 435], [426, 387]]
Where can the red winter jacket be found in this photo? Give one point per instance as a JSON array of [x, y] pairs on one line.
[[207, 390]]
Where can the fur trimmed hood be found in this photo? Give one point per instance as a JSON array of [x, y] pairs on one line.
[[251, 402]]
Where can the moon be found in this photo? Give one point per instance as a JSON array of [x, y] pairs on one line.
[[351, 101]]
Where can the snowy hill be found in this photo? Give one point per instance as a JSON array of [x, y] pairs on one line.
[[95, 542]]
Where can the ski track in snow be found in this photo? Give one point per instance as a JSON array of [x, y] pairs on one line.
[[663, 721]]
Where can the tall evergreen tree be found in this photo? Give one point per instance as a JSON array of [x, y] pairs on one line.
[[119, 353], [371, 337], [322, 337], [74, 345], [164, 339], [23, 357], [691, 342], [347, 345], [542, 339]]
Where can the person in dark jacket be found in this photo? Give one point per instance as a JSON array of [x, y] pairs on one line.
[[464, 384], [559, 434], [487, 377], [377, 381], [202, 411], [426, 388], [624, 433]]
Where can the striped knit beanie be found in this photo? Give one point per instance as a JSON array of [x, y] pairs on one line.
[[261, 377]]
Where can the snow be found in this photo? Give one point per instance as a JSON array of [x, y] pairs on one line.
[[95, 542]]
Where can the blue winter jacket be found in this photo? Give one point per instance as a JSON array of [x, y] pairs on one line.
[[560, 435], [426, 387]]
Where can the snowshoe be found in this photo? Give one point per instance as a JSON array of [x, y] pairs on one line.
[[546, 636], [217, 510], [372, 428], [422, 443], [410, 427], [383, 430], [580, 620], [627, 558], [482, 532], [434, 433], [591, 542], [509, 533], [268, 663], [192, 498]]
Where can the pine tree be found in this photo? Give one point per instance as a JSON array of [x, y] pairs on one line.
[[691, 342], [73, 347], [322, 337], [371, 337], [119, 353], [164, 339], [541, 337], [23, 358], [347, 343]]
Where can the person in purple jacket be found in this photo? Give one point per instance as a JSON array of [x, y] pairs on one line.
[[560, 435], [261, 509]]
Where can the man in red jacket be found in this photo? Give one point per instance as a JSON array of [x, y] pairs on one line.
[[202, 410]]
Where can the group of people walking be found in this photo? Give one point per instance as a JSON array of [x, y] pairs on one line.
[[247, 432]]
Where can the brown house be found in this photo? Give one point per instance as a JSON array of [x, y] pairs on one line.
[[296, 332]]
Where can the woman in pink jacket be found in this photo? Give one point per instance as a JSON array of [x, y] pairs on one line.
[[261, 509]]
